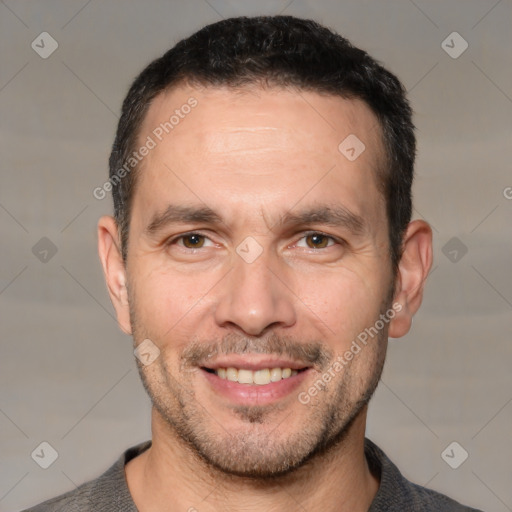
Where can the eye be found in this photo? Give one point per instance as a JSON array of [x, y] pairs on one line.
[[316, 240], [190, 241]]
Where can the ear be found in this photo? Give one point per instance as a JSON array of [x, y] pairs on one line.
[[114, 270], [413, 270]]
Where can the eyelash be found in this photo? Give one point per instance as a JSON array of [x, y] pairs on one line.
[[173, 241]]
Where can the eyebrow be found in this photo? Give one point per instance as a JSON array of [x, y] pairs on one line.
[[181, 214], [334, 216]]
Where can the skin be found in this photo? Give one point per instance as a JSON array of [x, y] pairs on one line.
[[253, 156]]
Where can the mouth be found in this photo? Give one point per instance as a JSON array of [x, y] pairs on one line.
[[254, 381], [260, 377]]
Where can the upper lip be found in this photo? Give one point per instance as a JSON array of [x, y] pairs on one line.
[[253, 363]]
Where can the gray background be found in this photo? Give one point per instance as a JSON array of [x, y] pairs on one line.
[[67, 373]]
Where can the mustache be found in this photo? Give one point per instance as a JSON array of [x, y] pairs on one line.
[[311, 353]]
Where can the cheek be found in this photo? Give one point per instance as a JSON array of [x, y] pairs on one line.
[[343, 303], [165, 300]]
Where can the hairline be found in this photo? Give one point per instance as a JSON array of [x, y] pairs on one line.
[[381, 172]]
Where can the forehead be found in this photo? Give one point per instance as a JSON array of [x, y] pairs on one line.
[[281, 143], [320, 119]]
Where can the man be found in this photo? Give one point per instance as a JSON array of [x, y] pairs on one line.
[[260, 255]]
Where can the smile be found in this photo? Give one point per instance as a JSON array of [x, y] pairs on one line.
[[259, 377], [254, 379]]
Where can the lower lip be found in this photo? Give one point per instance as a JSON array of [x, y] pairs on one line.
[[254, 394]]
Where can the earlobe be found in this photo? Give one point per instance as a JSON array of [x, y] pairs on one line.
[[413, 270], [114, 270]]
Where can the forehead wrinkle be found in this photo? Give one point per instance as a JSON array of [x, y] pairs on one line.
[[265, 219]]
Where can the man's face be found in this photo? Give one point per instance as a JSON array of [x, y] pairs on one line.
[[288, 267]]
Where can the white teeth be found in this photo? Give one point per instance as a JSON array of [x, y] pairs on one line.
[[286, 373], [245, 377], [275, 374], [259, 377], [231, 374]]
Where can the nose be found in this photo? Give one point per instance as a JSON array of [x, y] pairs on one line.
[[255, 298]]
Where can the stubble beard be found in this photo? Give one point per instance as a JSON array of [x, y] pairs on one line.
[[260, 450]]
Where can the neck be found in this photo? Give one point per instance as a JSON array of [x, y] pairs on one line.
[[170, 476]]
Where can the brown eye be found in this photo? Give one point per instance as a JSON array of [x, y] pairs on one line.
[[193, 241], [317, 241]]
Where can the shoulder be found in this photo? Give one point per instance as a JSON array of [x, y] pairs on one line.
[[396, 493], [107, 493], [78, 500]]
